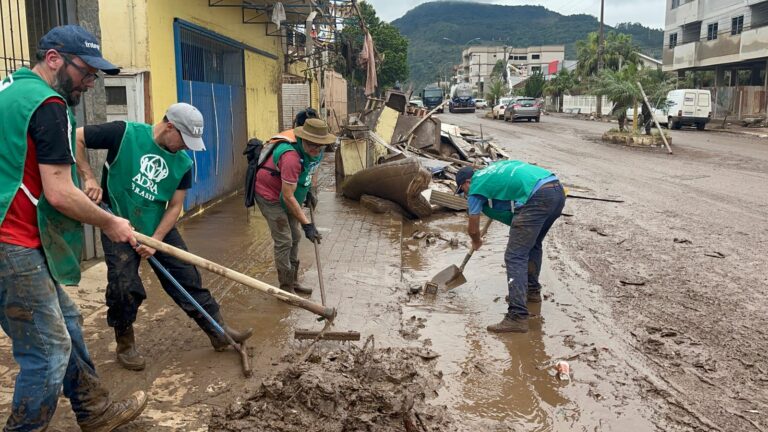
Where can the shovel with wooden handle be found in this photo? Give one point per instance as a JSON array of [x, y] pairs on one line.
[[452, 277], [292, 299]]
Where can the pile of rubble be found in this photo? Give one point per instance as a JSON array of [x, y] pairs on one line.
[[355, 389], [400, 160]]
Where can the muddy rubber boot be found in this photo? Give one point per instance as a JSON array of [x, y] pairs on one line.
[[510, 325], [126, 352], [299, 289], [285, 278], [219, 342], [116, 414]]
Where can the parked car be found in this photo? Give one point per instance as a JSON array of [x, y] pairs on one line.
[[498, 110], [691, 107], [481, 104], [416, 102], [523, 108], [659, 114]]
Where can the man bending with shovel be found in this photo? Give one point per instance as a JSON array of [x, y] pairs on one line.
[[527, 198], [145, 179]]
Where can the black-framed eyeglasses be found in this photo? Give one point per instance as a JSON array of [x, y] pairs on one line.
[[87, 76], [313, 146]]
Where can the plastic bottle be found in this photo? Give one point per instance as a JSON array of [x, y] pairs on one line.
[[563, 370]]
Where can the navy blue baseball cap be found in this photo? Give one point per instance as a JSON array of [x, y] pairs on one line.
[[462, 176], [73, 39]]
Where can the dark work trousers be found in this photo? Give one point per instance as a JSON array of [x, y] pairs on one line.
[[530, 225], [125, 292]]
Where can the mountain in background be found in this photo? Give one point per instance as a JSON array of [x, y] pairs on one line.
[[430, 56]]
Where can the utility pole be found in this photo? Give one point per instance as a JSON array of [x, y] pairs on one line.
[[600, 44]]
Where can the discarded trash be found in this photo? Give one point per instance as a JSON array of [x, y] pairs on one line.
[[430, 288], [563, 370], [715, 254]]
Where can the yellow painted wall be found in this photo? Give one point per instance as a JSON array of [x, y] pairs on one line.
[[124, 35], [146, 42], [300, 69]]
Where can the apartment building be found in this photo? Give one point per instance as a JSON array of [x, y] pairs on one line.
[[729, 37], [478, 63]]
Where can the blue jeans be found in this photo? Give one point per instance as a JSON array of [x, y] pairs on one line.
[[44, 326], [523, 255]]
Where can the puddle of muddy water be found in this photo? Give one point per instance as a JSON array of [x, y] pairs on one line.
[[507, 382]]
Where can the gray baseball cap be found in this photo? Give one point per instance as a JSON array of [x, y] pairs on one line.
[[189, 121]]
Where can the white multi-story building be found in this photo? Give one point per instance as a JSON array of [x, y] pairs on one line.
[[729, 37], [478, 63]]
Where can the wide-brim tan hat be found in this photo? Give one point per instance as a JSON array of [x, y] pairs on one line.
[[316, 131]]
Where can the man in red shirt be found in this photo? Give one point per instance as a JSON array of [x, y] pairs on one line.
[[41, 210], [282, 185]]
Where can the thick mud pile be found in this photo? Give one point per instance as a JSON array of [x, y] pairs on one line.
[[353, 389]]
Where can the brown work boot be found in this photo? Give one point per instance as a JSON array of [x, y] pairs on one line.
[[219, 342], [510, 325], [531, 297], [126, 352], [297, 288], [116, 414]]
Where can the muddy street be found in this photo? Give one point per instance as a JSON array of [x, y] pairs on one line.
[[656, 303], [677, 269]]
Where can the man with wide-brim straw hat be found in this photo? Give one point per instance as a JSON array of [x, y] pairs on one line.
[[282, 185]]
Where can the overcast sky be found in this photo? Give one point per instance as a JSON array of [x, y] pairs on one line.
[[647, 12]]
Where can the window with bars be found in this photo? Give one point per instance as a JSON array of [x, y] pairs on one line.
[[712, 31], [673, 40], [206, 59], [737, 25]]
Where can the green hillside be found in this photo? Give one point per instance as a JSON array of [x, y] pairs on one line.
[[429, 55]]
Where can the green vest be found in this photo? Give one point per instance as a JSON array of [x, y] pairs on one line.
[[506, 181], [62, 237], [308, 167], [143, 178]]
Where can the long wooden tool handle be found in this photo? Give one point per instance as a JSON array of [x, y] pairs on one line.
[[228, 273], [472, 250], [317, 260]]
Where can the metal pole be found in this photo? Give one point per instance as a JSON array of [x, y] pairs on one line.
[[661, 131], [600, 43]]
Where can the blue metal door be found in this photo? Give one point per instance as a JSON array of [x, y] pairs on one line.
[[210, 75]]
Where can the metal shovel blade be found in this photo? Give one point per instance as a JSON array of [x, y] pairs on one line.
[[450, 277]]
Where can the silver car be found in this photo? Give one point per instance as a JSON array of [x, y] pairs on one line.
[[523, 108]]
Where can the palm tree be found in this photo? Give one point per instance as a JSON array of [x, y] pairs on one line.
[[618, 51], [495, 90], [560, 85], [621, 88]]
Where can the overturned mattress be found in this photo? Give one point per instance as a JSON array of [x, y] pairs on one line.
[[401, 181]]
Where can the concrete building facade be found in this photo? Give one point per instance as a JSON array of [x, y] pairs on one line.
[[478, 63], [726, 36]]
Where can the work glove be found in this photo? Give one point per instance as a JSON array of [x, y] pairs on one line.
[[311, 232], [311, 201]]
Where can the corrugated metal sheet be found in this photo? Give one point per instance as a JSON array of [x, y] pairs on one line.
[[211, 77]]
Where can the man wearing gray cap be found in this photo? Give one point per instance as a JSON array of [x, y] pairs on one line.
[[41, 210], [145, 179]]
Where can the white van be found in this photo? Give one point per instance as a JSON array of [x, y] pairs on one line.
[[692, 107]]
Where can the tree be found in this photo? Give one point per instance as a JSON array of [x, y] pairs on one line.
[[496, 89], [621, 88], [498, 69], [560, 85], [534, 85], [391, 46], [618, 52]]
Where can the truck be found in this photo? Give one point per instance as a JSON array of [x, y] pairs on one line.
[[461, 98], [432, 96]]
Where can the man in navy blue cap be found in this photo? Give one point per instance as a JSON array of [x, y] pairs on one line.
[[41, 237]]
